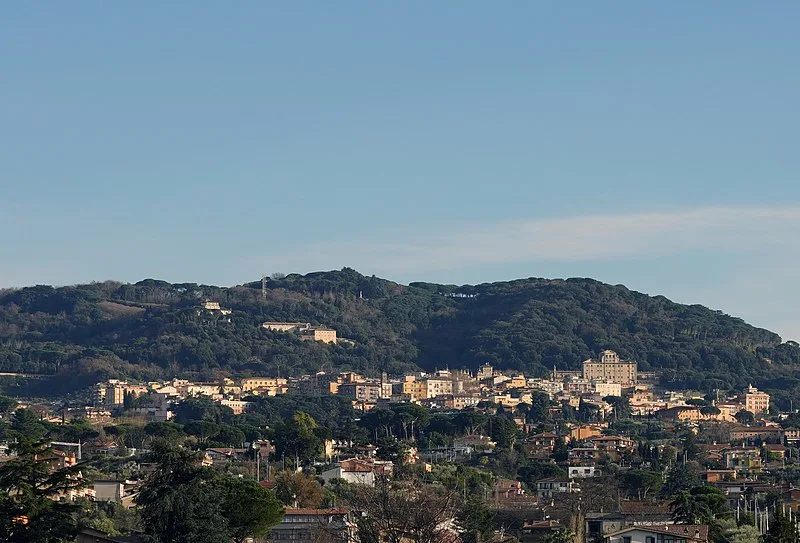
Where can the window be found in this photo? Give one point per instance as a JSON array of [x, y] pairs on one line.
[[626, 539], [649, 539]]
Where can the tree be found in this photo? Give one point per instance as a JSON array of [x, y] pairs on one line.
[[621, 406], [474, 520], [296, 488], [504, 431], [401, 514], [298, 439], [178, 502], [782, 530], [30, 486], [560, 535], [743, 533], [249, 508], [640, 483], [7, 404], [689, 510], [700, 505], [26, 426], [745, 417]]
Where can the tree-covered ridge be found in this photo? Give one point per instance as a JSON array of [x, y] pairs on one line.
[[152, 329]]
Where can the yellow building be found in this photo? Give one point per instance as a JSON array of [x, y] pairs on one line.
[[756, 401], [611, 369], [517, 381], [251, 383], [319, 333]]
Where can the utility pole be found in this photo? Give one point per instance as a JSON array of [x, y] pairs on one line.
[[263, 286]]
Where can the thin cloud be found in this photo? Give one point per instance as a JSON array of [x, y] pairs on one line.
[[592, 237]]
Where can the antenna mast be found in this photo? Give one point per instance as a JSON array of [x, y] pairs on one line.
[[263, 286]]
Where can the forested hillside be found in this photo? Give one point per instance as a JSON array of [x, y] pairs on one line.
[[152, 329]]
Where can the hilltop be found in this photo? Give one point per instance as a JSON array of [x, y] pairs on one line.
[[153, 329]]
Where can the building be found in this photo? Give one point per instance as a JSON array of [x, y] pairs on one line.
[[285, 326], [582, 433], [319, 333], [252, 383], [314, 526], [579, 472], [362, 392], [745, 460], [604, 389], [438, 386], [755, 401], [213, 308], [766, 434], [664, 533], [547, 488], [609, 368], [357, 471]]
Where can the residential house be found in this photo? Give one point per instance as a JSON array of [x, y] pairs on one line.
[[358, 471], [579, 472], [752, 434], [314, 526], [547, 488], [666, 533], [743, 459], [542, 444]]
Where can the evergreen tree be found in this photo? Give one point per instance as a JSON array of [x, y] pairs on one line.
[[30, 487]]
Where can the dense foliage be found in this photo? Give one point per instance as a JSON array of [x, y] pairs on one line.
[[153, 329]]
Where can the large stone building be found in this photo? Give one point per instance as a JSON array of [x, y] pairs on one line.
[[756, 401], [611, 369]]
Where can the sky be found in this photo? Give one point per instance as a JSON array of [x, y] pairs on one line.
[[651, 144]]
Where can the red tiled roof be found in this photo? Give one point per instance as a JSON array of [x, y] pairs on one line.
[[635, 507]]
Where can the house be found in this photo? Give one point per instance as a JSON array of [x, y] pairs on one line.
[[775, 452], [505, 489], [750, 434], [680, 413], [314, 526], [792, 436], [223, 455], [579, 472], [664, 533], [743, 459], [537, 531], [582, 433], [541, 444], [547, 488], [716, 475], [578, 455], [109, 490], [358, 471], [629, 513], [319, 333], [608, 443], [467, 444], [755, 401]]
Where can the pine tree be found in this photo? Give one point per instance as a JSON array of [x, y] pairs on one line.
[[30, 488]]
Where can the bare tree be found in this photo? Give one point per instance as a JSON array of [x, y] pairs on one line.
[[403, 512]]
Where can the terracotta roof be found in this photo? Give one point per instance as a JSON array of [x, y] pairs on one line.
[[696, 532], [632, 507]]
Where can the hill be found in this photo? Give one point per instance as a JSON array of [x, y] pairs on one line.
[[152, 329]]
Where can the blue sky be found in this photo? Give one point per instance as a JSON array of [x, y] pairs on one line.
[[649, 144]]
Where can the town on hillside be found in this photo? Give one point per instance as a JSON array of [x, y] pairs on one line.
[[600, 455]]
